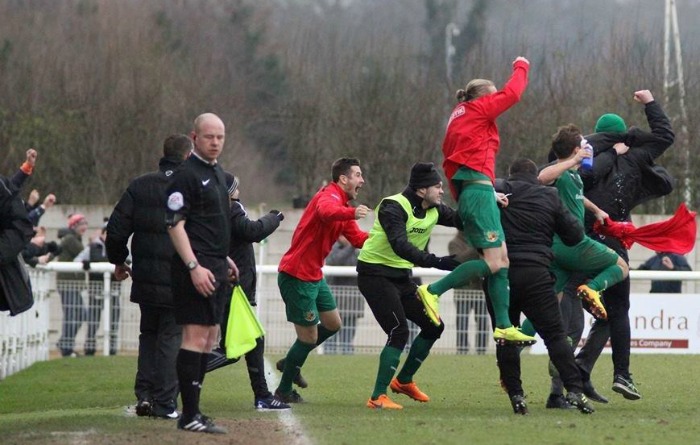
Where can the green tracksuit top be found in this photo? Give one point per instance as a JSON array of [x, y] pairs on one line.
[[377, 249], [570, 187]]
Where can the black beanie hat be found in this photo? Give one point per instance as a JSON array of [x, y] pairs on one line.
[[423, 174], [231, 182]]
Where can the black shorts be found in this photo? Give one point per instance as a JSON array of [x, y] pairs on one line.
[[190, 306]]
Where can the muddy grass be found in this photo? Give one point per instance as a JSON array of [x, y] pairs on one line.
[[243, 432]]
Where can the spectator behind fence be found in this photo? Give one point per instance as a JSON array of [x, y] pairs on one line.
[[15, 233], [37, 211], [38, 250], [351, 305], [95, 252], [467, 298], [140, 212], [666, 261], [69, 286]]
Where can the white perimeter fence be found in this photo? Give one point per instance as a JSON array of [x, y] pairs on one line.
[[105, 321]]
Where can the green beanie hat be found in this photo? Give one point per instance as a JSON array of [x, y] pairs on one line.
[[610, 123]]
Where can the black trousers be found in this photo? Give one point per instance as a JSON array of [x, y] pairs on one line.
[[532, 293], [616, 327], [572, 321], [159, 343], [393, 301]]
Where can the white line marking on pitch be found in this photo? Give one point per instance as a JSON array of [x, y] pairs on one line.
[[287, 417]]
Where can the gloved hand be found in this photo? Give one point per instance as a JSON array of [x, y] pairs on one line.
[[86, 265], [53, 247], [447, 263], [278, 214]]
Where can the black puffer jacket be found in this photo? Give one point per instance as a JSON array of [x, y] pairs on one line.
[[15, 232], [533, 215], [141, 212], [617, 184], [245, 232]]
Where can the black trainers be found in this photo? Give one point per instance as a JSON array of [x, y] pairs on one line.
[[143, 408], [518, 403], [625, 386], [592, 394], [558, 401], [580, 402], [200, 424], [271, 403], [290, 397], [298, 379]]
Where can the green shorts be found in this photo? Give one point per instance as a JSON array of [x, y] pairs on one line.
[[481, 216], [304, 300], [588, 257]]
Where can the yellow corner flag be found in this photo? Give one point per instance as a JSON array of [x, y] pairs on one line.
[[243, 327]]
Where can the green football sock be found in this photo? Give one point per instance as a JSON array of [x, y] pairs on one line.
[[324, 334], [388, 364], [608, 277], [418, 353], [459, 277], [295, 360], [499, 291], [528, 328]]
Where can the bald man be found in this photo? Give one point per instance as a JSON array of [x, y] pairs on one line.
[[199, 227]]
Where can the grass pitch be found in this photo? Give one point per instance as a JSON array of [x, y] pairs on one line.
[[82, 401]]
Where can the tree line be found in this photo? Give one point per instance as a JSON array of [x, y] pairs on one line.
[[96, 85]]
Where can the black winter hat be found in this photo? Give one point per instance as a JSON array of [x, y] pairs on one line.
[[423, 174], [231, 182]]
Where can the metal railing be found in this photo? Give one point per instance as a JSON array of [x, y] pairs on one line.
[[108, 323]]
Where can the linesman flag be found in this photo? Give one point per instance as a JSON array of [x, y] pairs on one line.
[[243, 327]]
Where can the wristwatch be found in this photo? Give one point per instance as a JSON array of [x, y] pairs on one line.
[[192, 265]]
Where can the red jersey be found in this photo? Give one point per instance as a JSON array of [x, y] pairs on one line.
[[326, 217], [471, 139]]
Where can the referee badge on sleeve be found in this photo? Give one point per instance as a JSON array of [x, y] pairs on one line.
[[175, 201]]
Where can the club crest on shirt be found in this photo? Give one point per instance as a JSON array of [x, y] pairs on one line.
[[491, 236], [176, 201], [459, 111], [310, 316]]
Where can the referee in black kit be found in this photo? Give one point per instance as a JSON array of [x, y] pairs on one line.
[[198, 225]]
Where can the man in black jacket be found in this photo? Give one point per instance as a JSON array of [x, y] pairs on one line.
[[15, 232], [530, 218], [141, 212], [245, 232], [621, 179]]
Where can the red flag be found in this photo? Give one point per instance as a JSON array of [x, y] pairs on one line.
[[675, 235]]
